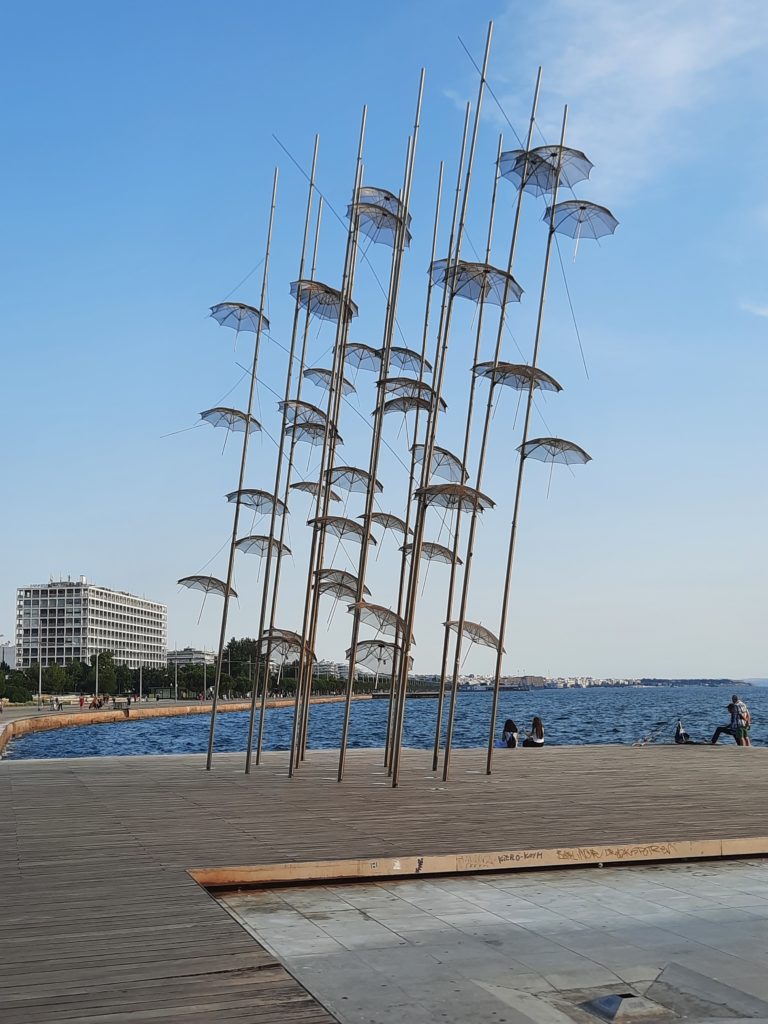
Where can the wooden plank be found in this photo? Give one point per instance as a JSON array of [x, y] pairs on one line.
[[102, 921]]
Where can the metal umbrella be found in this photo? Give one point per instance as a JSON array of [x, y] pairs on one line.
[[352, 479], [232, 419], [260, 501], [324, 379], [338, 582], [444, 464], [454, 497], [554, 449], [344, 529], [239, 316], [389, 522], [312, 487], [208, 585], [433, 552], [406, 359], [362, 357], [321, 300], [259, 544], [379, 224], [477, 281], [537, 169], [519, 376], [477, 633], [312, 433], [384, 619]]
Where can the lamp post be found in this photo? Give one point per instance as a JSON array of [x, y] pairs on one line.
[[141, 681], [176, 680], [97, 673]]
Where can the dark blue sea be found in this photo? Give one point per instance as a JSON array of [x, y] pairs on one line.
[[597, 715]]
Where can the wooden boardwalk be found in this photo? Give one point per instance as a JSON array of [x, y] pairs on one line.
[[102, 922]]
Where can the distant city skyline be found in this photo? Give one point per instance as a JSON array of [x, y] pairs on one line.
[[140, 178]]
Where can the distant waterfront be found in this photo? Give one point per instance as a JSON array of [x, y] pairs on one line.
[[572, 716]]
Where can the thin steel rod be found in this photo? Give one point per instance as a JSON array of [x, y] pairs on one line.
[[521, 458], [405, 581], [241, 479], [311, 598], [412, 469], [275, 491], [469, 551], [273, 614], [464, 463], [373, 464], [445, 315]]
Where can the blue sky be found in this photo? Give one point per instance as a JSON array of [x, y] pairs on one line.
[[139, 158]]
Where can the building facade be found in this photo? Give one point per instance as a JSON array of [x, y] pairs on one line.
[[65, 621], [190, 656]]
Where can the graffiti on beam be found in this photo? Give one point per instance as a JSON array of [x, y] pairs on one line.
[[591, 853]]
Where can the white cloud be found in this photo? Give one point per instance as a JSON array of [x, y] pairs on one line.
[[754, 309], [628, 69]]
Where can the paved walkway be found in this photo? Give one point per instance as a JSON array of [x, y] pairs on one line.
[[527, 947]]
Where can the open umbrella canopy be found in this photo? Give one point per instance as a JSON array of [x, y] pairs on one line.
[[362, 357], [454, 497], [519, 376], [579, 219], [257, 544], [352, 479], [208, 585], [259, 501], [445, 464], [312, 487], [380, 656], [282, 645], [344, 529], [476, 281], [536, 169], [384, 619], [477, 634], [432, 552], [379, 224], [338, 582], [323, 379], [295, 411], [312, 433], [407, 359], [408, 404], [554, 449], [239, 316], [388, 522], [383, 198], [321, 300], [232, 419], [407, 387]]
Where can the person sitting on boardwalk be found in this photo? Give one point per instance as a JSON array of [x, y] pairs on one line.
[[728, 730], [510, 734], [681, 736], [743, 720], [535, 737]]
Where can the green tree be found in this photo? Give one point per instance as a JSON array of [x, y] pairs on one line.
[[55, 679], [107, 674]]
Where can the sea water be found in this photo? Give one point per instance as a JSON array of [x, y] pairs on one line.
[[570, 716]]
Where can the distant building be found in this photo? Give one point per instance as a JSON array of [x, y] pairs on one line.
[[190, 656], [7, 654], [64, 621]]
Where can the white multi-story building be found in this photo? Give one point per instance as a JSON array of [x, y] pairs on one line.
[[65, 621], [190, 656]]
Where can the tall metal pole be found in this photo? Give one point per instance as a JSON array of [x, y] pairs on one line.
[[176, 680], [97, 674], [276, 486], [141, 683], [273, 614], [412, 470], [241, 481], [330, 438], [444, 334], [373, 464], [464, 463], [469, 552], [521, 459]]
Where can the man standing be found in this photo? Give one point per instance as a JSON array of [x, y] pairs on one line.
[[741, 721]]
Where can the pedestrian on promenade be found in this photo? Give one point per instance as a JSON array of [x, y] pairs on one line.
[[535, 737], [729, 729], [82, 701], [510, 734], [743, 722]]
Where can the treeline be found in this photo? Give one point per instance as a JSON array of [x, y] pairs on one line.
[[691, 682], [239, 668]]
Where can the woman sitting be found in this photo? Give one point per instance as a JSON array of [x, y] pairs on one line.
[[535, 738], [510, 735]]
